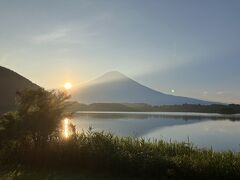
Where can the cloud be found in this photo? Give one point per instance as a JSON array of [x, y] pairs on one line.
[[77, 35], [51, 36], [205, 93], [220, 93]]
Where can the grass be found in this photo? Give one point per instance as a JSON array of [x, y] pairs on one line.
[[53, 174], [104, 155]]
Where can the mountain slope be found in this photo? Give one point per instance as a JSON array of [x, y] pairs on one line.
[[10, 83], [114, 87]]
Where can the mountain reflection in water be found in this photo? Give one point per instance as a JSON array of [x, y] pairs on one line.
[[215, 131]]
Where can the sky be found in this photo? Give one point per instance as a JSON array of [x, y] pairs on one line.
[[191, 47]]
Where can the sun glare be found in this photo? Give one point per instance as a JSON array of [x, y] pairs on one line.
[[68, 85]]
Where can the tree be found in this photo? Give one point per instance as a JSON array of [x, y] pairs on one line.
[[39, 115]]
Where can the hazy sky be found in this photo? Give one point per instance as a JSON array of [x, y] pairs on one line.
[[192, 47]]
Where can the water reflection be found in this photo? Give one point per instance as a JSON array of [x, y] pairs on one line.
[[204, 130], [66, 127], [173, 115], [218, 134]]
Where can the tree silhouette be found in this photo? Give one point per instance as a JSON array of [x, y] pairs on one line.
[[39, 116]]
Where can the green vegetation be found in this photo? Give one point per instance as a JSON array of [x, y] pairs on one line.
[[49, 174], [107, 154], [32, 147], [38, 117], [136, 107]]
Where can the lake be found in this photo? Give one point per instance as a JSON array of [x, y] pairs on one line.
[[219, 132]]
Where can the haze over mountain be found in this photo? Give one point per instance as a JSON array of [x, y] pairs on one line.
[[114, 87], [10, 83]]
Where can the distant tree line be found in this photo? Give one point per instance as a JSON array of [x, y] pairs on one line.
[[138, 107]]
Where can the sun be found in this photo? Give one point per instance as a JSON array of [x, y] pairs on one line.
[[68, 85]]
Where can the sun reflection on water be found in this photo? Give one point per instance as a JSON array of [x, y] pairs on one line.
[[66, 128]]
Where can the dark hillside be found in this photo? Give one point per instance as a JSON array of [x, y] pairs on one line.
[[10, 83]]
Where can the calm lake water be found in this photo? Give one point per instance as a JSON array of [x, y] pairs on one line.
[[203, 130]]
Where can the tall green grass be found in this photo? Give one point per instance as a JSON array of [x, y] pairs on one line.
[[101, 152]]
